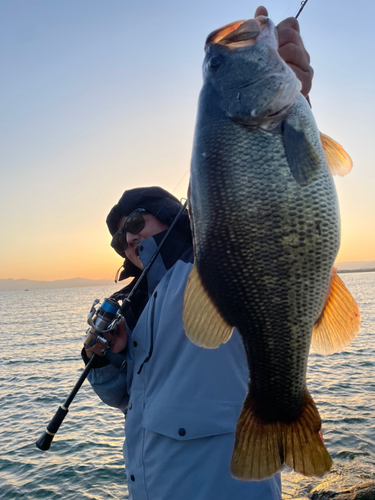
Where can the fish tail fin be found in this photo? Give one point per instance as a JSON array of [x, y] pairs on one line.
[[262, 448]]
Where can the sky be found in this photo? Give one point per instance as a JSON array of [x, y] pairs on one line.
[[101, 96]]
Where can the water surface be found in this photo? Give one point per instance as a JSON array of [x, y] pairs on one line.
[[41, 337]]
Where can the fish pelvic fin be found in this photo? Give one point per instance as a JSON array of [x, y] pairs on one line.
[[338, 159], [203, 324], [339, 322], [261, 448]]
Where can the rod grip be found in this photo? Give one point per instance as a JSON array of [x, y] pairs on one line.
[[45, 440]]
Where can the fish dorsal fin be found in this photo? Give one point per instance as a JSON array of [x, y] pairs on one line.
[[203, 324], [339, 321], [338, 159]]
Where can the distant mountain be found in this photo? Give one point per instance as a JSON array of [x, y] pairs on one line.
[[10, 285], [355, 265]]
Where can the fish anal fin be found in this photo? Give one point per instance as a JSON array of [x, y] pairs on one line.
[[339, 322], [338, 159], [203, 324], [261, 448]]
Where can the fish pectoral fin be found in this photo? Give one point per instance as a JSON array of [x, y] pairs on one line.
[[339, 322], [338, 159], [262, 448], [303, 158], [203, 324]]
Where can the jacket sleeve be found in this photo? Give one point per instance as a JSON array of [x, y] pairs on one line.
[[110, 384]]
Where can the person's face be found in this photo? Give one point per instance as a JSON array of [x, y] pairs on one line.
[[152, 226]]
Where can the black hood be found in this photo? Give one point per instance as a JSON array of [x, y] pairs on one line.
[[156, 201]]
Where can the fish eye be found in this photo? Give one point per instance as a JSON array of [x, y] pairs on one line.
[[215, 62]]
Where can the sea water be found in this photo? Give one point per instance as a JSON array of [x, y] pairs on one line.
[[41, 336], [343, 388]]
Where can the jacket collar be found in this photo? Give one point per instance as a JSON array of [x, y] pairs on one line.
[[171, 251], [176, 247]]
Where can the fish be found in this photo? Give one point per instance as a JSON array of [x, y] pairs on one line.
[[266, 231]]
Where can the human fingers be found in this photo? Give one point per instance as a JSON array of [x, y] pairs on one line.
[[292, 50], [96, 349], [261, 11], [289, 22], [297, 61], [118, 337], [305, 78], [287, 33], [122, 336]]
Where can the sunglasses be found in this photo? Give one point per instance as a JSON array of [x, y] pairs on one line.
[[133, 224]]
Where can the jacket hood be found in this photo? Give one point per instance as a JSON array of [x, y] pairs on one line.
[[155, 200]]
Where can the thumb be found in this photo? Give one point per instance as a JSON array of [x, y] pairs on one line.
[[261, 11]]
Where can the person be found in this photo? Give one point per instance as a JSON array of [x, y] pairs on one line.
[[181, 402]]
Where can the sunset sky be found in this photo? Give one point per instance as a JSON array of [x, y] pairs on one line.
[[101, 96]]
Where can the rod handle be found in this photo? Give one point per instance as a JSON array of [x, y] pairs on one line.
[[45, 440], [116, 359]]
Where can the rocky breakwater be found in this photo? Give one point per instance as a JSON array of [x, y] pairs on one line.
[[363, 491]]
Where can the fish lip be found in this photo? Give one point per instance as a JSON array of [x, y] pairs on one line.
[[273, 72], [136, 250], [246, 85], [280, 111], [269, 121], [282, 102]]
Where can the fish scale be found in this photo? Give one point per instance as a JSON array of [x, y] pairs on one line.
[[261, 272]]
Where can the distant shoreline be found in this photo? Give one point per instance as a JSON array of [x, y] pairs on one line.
[[12, 285], [356, 270]]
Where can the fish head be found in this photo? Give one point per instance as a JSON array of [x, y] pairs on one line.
[[251, 82]]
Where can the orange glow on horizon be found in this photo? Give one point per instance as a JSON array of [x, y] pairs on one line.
[[102, 262]]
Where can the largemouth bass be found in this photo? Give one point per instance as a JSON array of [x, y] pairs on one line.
[[266, 231]]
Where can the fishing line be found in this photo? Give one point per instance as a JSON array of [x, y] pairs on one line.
[[173, 190]]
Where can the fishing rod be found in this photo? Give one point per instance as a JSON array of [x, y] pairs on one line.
[[98, 319], [303, 3], [101, 319]]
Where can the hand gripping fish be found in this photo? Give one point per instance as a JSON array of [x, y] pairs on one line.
[[266, 231]]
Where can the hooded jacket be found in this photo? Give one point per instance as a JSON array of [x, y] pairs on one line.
[[181, 402]]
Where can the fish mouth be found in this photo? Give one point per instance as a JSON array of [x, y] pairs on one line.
[[282, 102], [239, 33], [252, 82], [136, 250], [282, 111], [270, 117]]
